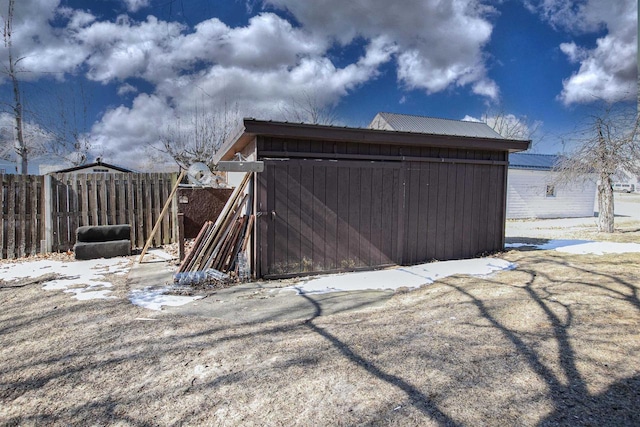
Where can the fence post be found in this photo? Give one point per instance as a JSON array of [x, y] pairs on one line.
[[47, 215], [180, 236], [175, 181]]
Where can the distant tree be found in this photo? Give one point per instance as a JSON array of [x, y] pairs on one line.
[[198, 138], [607, 143], [511, 126], [64, 121], [309, 108], [56, 128], [10, 68], [35, 137]]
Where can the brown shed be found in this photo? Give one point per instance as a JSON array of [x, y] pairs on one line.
[[338, 198]]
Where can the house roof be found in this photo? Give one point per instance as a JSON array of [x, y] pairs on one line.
[[92, 165], [251, 128], [432, 125], [533, 161]]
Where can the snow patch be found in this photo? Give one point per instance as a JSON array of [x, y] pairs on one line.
[[582, 247], [601, 248], [154, 298], [83, 295], [409, 277], [159, 253], [81, 278]]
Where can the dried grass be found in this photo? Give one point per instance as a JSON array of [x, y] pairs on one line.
[[556, 341]]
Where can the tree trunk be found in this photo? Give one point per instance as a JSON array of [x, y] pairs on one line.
[[21, 148], [605, 204]]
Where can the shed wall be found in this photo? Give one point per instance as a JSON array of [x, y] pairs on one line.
[[284, 147], [326, 216], [453, 211], [321, 215], [527, 198]]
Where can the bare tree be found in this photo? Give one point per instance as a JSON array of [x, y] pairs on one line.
[[65, 120], [198, 137], [11, 70], [55, 129], [309, 108], [511, 126], [605, 145], [34, 136]]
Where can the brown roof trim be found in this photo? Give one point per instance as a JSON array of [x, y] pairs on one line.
[[253, 127]]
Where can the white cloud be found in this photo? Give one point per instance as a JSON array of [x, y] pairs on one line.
[[125, 48], [486, 87], [438, 44], [607, 71], [126, 89], [157, 50], [124, 135], [136, 5], [41, 46], [468, 118], [261, 66]]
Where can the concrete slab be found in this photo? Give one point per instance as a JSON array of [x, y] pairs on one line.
[[154, 272], [259, 302], [255, 302]]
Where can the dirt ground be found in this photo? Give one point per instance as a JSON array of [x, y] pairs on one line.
[[554, 342]]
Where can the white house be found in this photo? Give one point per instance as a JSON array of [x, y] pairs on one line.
[[532, 192]]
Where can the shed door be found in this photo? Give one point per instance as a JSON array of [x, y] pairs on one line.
[[327, 215]]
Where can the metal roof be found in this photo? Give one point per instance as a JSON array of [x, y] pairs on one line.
[[432, 125], [533, 161]]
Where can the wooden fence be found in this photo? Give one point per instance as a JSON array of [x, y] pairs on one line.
[[42, 213], [22, 222]]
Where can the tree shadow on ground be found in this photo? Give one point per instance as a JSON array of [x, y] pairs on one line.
[[616, 406], [568, 391], [567, 388], [416, 397]]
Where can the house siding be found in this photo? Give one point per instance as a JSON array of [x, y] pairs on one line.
[[526, 196]]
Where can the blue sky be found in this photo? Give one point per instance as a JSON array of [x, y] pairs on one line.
[[147, 65]]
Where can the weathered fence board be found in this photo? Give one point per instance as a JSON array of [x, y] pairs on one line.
[[109, 199], [21, 217], [74, 200]]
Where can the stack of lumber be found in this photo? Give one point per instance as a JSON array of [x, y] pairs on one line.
[[218, 243]]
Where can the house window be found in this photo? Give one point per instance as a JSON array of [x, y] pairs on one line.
[[551, 191], [100, 170]]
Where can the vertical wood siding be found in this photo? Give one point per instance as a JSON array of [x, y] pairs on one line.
[[328, 215], [453, 211]]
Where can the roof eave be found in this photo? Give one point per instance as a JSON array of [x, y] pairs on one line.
[[235, 143], [91, 165], [253, 127]]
